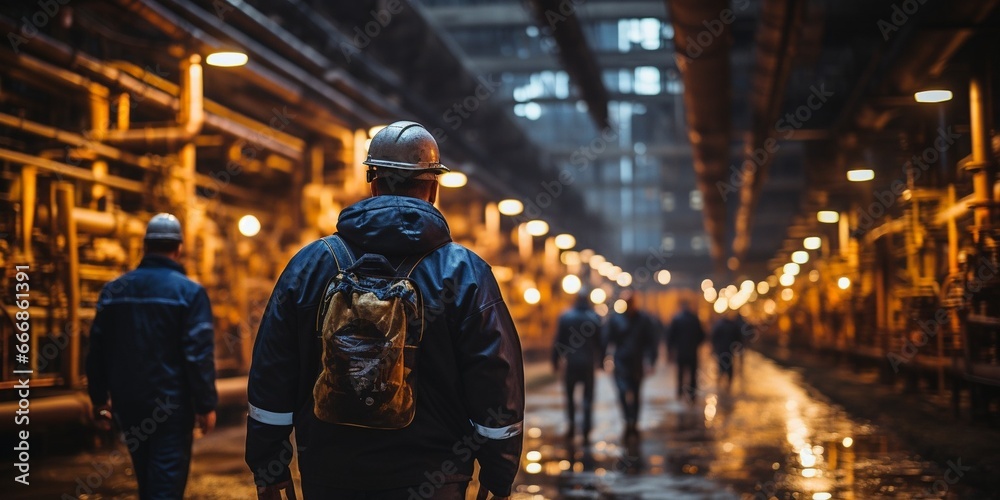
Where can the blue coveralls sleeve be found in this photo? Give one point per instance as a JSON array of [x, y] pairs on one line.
[[198, 342], [97, 375], [492, 375], [272, 383]]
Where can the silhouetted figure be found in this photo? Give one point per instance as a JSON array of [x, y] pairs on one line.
[[634, 335], [152, 361], [727, 342], [684, 336], [578, 347]]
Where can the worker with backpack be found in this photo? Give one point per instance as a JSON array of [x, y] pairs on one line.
[[388, 348]]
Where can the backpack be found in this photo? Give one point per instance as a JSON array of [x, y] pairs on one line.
[[370, 323]]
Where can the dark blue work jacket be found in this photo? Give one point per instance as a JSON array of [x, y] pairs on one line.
[[152, 344], [470, 385]]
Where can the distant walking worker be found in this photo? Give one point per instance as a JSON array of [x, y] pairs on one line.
[[727, 343], [152, 350], [389, 349], [635, 336], [577, 348], [684, 336]]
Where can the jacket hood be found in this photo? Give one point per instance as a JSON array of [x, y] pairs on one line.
[[393, 225]]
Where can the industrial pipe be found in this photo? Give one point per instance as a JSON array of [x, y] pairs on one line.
[[980, 165], [124, 104], [75, 409], [70, 57], [706, 74], [29, 195], [66, 200], [101, 223], [57, 74], [776, 44], [109, 152], [952, 235], [75, 140], [190, 116], [70, 171], [225, 120], [179, 29]]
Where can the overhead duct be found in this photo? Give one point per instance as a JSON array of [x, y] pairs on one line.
[[576, 56], [777, 37], [706, 73]]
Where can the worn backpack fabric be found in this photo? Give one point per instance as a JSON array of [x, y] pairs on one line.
[[370, 323]]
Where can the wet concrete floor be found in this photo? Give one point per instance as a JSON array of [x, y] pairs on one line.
[[766, 437]]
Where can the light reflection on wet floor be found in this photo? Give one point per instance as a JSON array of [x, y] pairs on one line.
[[766, 437]]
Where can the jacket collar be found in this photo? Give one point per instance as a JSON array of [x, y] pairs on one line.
[[394, 225], [155, 261]]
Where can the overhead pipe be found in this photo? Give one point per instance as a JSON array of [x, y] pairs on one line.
[[55, 73], [218, 118], [190, 115], [203, 181], [706, 73], [70, 171], [576, 58], [180, 29], [776, 42], [376, 72], [293, 45]]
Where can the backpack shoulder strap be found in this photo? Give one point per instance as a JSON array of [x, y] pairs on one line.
[[341, 254], [410, 263]]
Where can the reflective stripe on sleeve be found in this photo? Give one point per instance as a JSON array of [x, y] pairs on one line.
[[270, 417], [499, 432]]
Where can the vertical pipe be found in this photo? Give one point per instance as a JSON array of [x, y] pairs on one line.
[[981, 181], [100, 116], [98, 190], [186, 174], [124, 117], [66, 202], [912, 242], [952, 235], [29, 195], [192, 95]]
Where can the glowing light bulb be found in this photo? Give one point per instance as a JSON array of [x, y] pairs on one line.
[[249, 225], [510, 207]]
